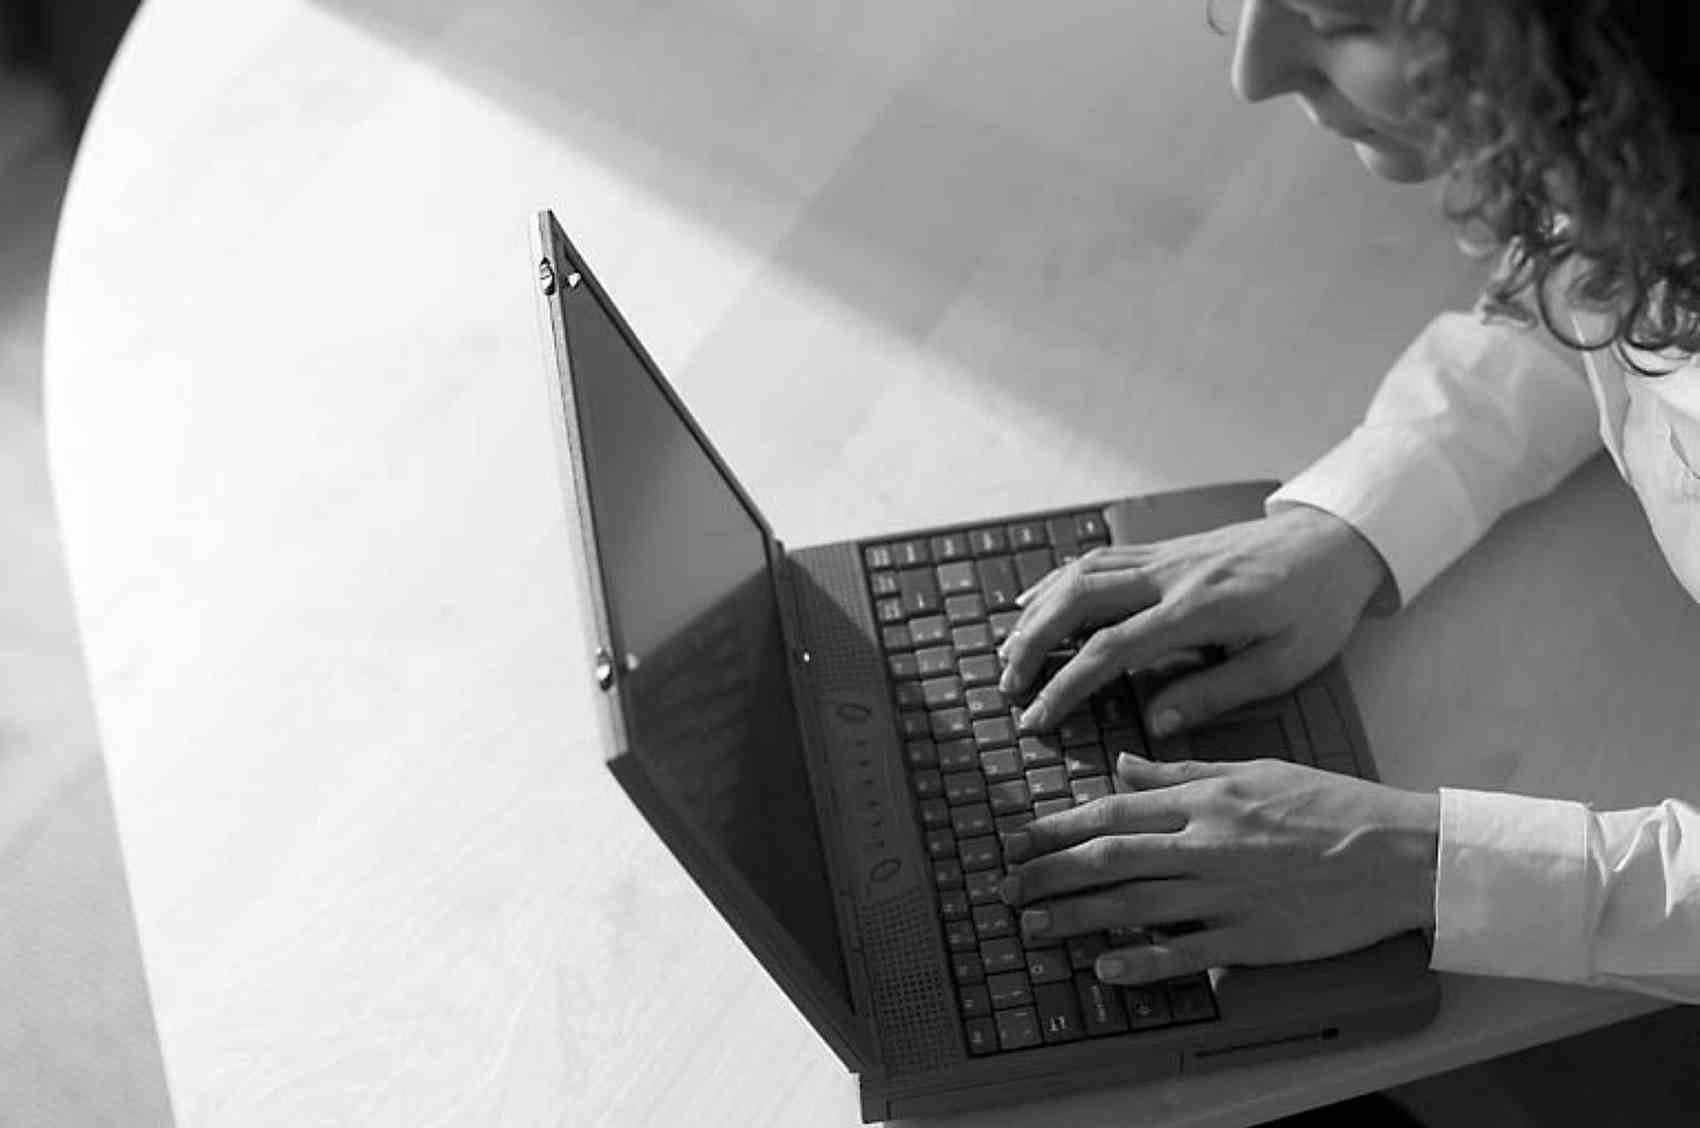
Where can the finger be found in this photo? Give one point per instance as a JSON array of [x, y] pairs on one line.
[[1129, 644], [1178, 955], [1079, 597], [1092, 865], [1128, 813], [1256, 672], [1133, 904], [1146, 775]]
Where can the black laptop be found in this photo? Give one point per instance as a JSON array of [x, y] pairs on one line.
[[817, 736]]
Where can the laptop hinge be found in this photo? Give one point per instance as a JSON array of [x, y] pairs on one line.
[[827, 805]]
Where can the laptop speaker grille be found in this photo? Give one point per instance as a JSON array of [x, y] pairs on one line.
[[839, 623], [916, 1013]]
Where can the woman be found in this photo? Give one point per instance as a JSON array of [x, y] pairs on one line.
[[1569, 139]]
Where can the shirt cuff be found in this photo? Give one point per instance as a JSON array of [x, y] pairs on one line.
[[1510, 891], [1395, 489]]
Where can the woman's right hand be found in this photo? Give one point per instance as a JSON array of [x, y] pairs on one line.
[[1280, 595]]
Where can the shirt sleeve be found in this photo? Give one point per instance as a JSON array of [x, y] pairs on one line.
[[1476, 417], [1549, 889]]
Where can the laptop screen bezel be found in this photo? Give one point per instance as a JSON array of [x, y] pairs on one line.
[[832, 1015]]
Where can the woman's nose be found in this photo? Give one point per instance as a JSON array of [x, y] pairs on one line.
[[1270, 55]]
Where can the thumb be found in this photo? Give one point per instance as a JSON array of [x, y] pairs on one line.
[[1259, 671], [1142, 775]]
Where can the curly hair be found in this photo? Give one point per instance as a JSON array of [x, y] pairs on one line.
[[1572, 138], [1570, 130]]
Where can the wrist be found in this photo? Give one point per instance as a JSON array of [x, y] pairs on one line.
[[1349, 554]]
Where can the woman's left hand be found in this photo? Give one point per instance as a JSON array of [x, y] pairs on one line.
[[1276, 861]]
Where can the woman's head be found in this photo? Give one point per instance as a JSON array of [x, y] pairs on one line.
[[1568, 133]]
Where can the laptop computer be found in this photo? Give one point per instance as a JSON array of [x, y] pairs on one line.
[[816, 735]]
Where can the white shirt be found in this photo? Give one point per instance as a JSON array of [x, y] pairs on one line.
[[1475, 418]]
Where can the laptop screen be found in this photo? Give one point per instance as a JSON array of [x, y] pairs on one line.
[[710, 715]]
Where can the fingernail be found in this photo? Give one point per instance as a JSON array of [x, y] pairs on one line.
[[1034, 716], [1165, 723], [1017, 844], [1009, 889], [1110, 968], [1035, 922]]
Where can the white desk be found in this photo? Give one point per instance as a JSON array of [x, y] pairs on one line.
[[321, 562]]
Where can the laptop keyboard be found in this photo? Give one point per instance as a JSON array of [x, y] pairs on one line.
[[944, 604]]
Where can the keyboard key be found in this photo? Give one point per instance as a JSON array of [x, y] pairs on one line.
[[927, 784], [1083, 760], [935, 813], [1063, 533], [1048, 783], [1010, 989], [1046, 965], [974, 1001], [949, 546], [957, 755], [1018, 1028], [940, 693], [993, 921], [979, 853], [1190, 999], [972, 820], [1126, 936], [890, 610], [1033, 565], [982, 1036], [1003, 954], [878, 556], [883, 584], [961, 609], [997, 582], [1090, 788], [1004, 824], [993, 732], [1090, 526], [934, 662], [967, 968], [1040, 751], [909, 553], [921, 753], [947, 874], [910, 696], [1051, 806], [1083, 951], [948, 724], [941, 844], [1002, 623], [929, 630], [980, 669], [903, 666], [953, 904], [957, 578], [964, 787], [959, 934], [1009, 796], [1115, 707], [1119, 740], [1146, 1006], [896, 638], [986, 701], [914, 726], [919, 591], [985, 542], [1077, 728], [1059, 1012], [972, 639], [999, 764], [982, 887], [1101, 1008], [1028, 534]]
